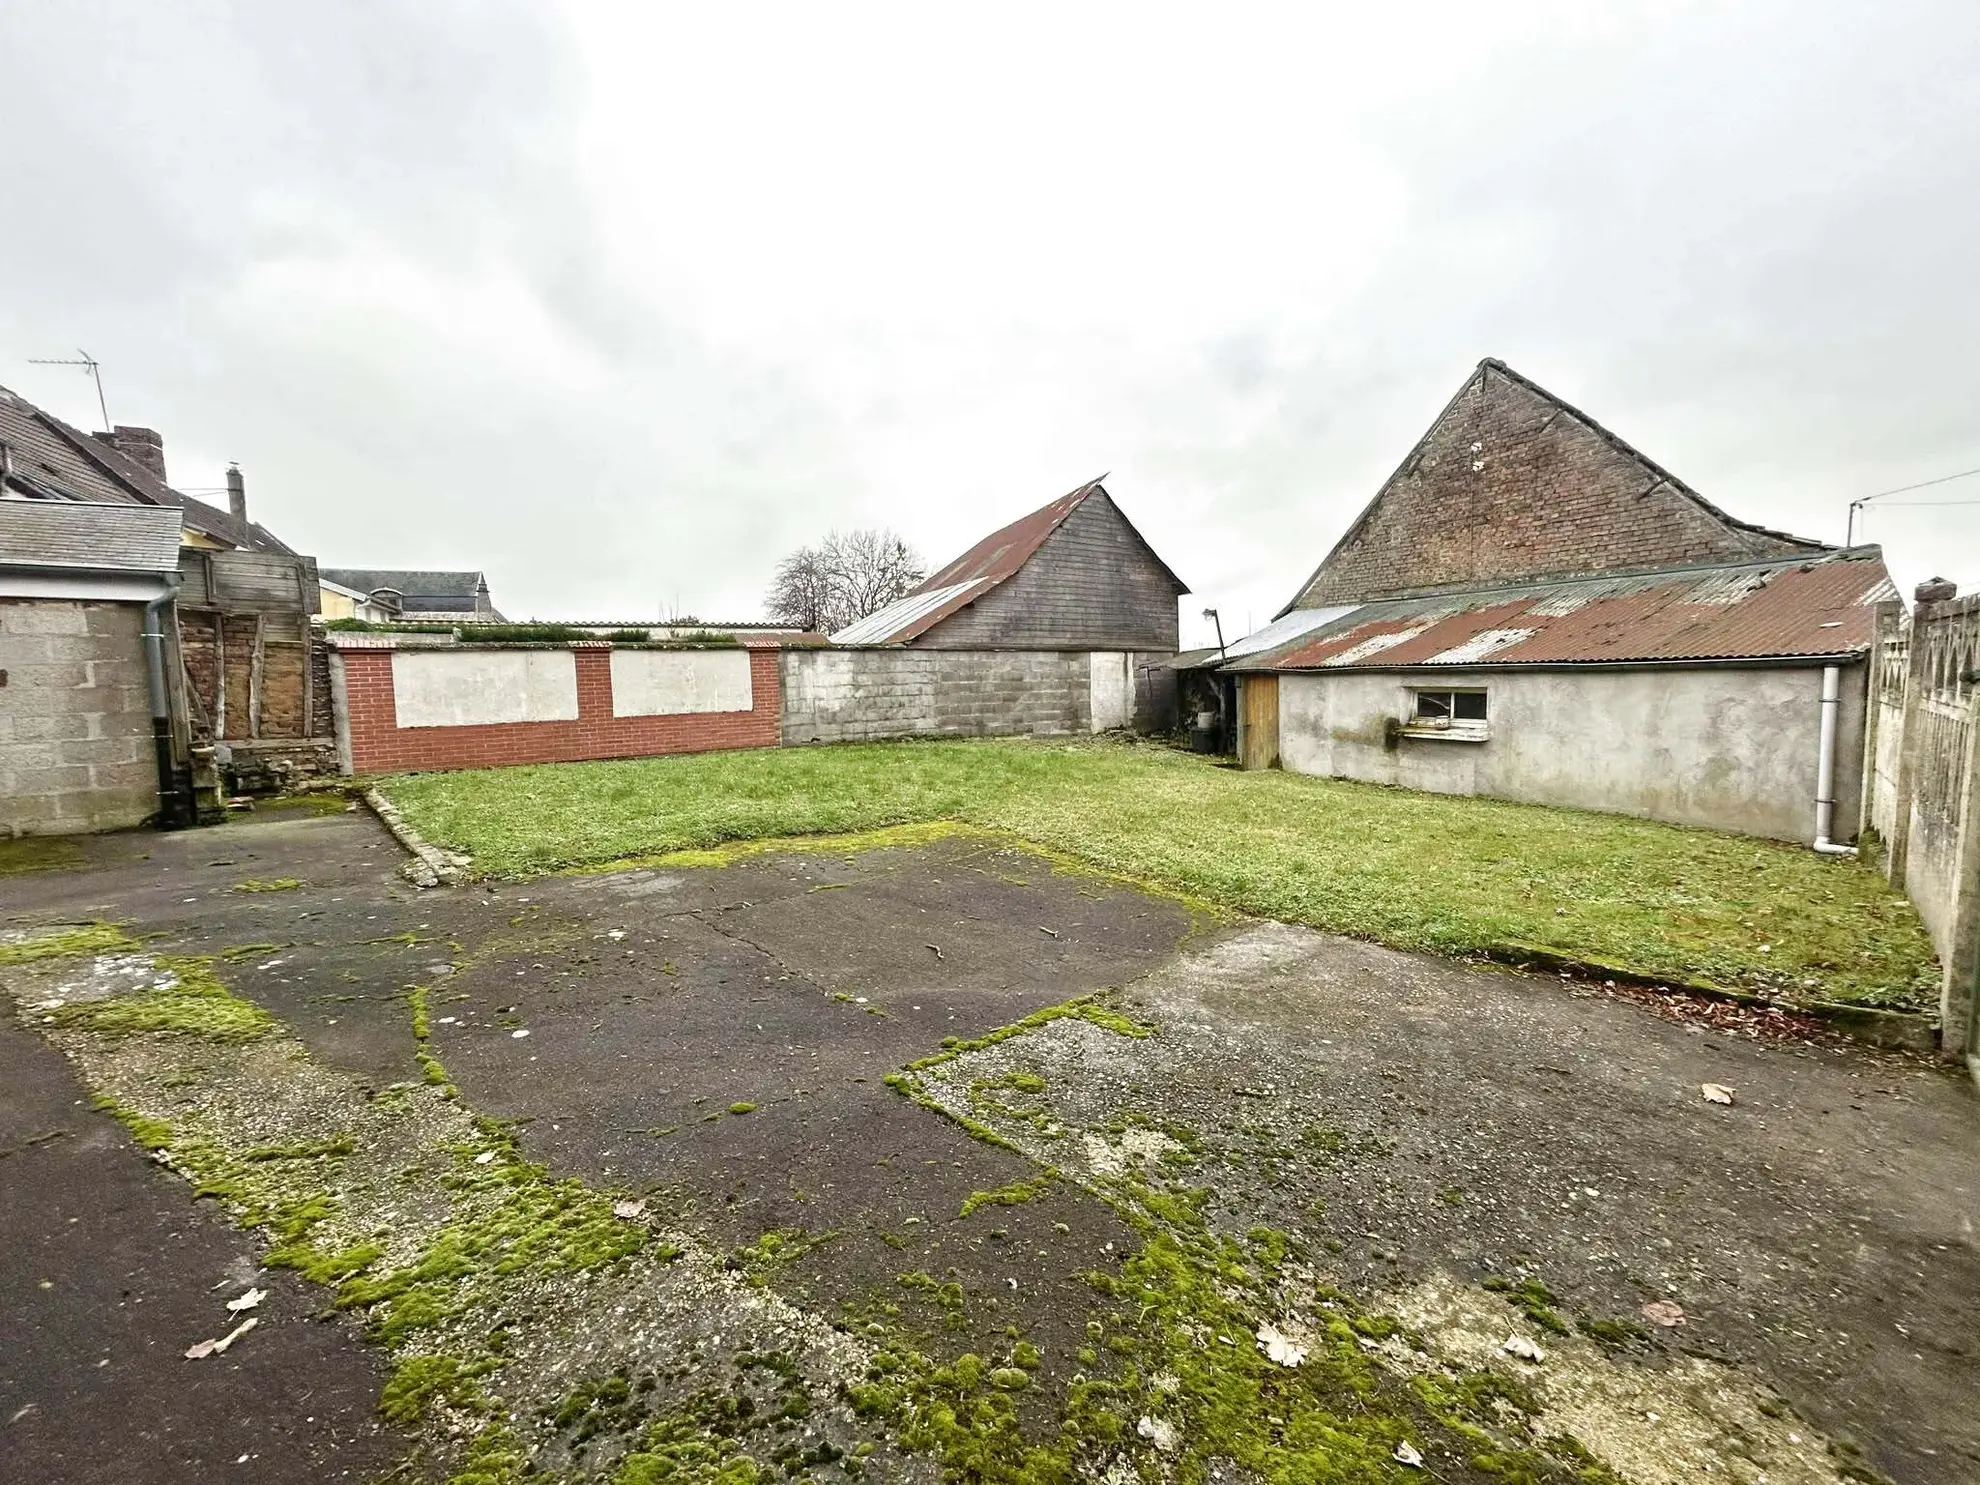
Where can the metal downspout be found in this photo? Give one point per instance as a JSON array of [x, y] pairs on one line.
[[1825, 766], [174, 802]]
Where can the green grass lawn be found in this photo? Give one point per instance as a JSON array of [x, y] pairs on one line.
[[1417, 871]]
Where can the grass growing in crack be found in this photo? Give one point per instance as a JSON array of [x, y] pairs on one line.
[[273, 884], [1652, 899]]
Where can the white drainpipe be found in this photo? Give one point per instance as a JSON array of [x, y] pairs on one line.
[[1825, 765]]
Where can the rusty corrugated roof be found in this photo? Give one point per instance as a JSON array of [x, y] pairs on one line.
[[1748, 611]]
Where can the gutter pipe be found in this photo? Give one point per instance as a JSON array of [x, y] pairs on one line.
[[1825, 766], [174, 799]]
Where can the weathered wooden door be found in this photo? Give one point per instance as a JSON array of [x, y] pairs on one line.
[[1258, 721]]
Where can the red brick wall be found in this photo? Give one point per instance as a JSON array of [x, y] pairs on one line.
[[380, 745], [1510, 484]]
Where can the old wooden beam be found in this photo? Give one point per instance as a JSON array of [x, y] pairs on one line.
[[219, 677], [255, 666]]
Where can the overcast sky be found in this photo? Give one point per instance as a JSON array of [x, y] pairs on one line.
[[619, 303]]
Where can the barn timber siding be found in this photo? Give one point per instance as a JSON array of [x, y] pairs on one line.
[[1092, 585]]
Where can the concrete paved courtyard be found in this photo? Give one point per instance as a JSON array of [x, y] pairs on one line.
[[738, 1168]]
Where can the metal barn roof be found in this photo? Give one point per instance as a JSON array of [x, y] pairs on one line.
[[1751, 611]]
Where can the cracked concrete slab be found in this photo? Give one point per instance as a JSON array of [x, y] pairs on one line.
[[712, 1041]]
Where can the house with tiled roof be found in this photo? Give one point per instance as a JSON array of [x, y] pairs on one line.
[[417, 595], [1531, 608], [248, 681]]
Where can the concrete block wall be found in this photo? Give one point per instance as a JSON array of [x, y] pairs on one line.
[[855, 695], [370, 739], [75, 720]]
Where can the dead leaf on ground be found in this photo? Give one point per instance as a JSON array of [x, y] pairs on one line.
[[1663, 1312], [247, 1301], [214, 1348], [1716, 1092], [1407, 1453]]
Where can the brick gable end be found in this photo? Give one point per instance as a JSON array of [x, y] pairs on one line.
[[1510, 483]]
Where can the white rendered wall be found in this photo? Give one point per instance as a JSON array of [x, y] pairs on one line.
[[472, 688], [658, 683]]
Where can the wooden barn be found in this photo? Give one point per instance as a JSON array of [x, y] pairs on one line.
[[1061, 622]]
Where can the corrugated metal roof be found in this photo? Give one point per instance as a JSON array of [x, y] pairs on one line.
[[1000, 554], [1753, 611], [1282, 631], [94, 538], [903, 618]]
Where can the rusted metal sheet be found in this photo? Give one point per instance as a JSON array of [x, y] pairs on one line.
[[1755, 611]]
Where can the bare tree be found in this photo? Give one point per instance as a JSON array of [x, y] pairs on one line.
[[842, 580], [801, 592]]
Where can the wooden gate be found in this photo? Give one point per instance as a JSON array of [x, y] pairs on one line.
[[1258, 721]]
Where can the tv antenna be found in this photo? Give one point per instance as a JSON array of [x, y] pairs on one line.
[[89, 364]]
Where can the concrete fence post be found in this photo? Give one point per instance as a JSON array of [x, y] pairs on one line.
[[1957, 1006], [1899, 845]]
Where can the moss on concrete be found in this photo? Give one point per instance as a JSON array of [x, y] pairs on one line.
[[273, 884], [187, 999], [30, 853], [66, 942], [1015, 1194]]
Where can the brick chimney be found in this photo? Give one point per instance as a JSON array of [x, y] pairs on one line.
[[237, 493], [1935, 590], [140, 445]]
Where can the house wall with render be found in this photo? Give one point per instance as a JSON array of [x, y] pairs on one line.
[[477, 706], [76, 749], [1730, 748]]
